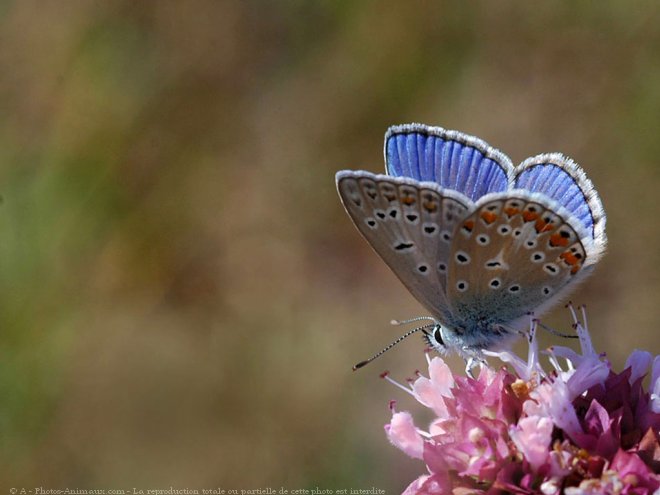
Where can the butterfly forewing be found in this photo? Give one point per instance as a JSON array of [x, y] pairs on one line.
[[451, 159], [410, 226], [512, 256]]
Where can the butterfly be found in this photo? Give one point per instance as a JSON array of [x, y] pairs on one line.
[[481, 244]]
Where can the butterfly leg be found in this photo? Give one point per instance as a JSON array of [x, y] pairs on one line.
[[471, 363]]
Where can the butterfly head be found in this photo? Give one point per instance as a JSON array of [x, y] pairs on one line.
[[436, 338]]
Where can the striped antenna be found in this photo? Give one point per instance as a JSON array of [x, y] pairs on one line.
[[424, 328]]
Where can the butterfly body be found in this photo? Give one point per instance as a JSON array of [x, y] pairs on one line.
[[480, 243]]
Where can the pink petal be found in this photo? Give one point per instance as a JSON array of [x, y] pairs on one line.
[[553, 400], [441, 376], [591, 371], [566, 353], [426, 484], [630, 468], [415, 488], [599, 438], [532, 436], [560, 461], [439, 426], [655, 386], [655, 373], [639, 361], [432, 391], [428, 395], [403, 434]]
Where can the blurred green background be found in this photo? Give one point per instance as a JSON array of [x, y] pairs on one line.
[[182, 294]]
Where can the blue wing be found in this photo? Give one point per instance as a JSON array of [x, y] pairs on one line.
[[449, 158], [561, 179]]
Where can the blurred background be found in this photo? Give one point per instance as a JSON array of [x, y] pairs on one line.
[[182, 294]]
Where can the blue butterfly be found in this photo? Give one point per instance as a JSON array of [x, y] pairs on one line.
[[480, 243]]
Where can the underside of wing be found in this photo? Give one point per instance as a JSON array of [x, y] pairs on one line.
[[514, 255], [410, 225], [562, 180]]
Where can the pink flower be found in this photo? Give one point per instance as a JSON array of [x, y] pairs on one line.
[[582, 429]]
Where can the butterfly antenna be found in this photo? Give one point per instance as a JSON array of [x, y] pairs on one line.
[[418, 318], [405, 335], [555, 332]]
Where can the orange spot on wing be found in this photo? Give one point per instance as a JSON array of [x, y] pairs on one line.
[[569, 258], [488, 217], [558, 240], [542, 226], [468, 225], [528, 216], [511, 211], [430, 206], [575, 269], [408, 200]]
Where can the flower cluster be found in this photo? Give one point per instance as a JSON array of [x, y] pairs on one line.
[[581, 429]]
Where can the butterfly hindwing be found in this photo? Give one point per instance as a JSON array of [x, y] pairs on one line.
[[511, 256], [410, 225], [560, 179]]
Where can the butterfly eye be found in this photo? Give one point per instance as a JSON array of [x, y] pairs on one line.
[[437, 335]]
